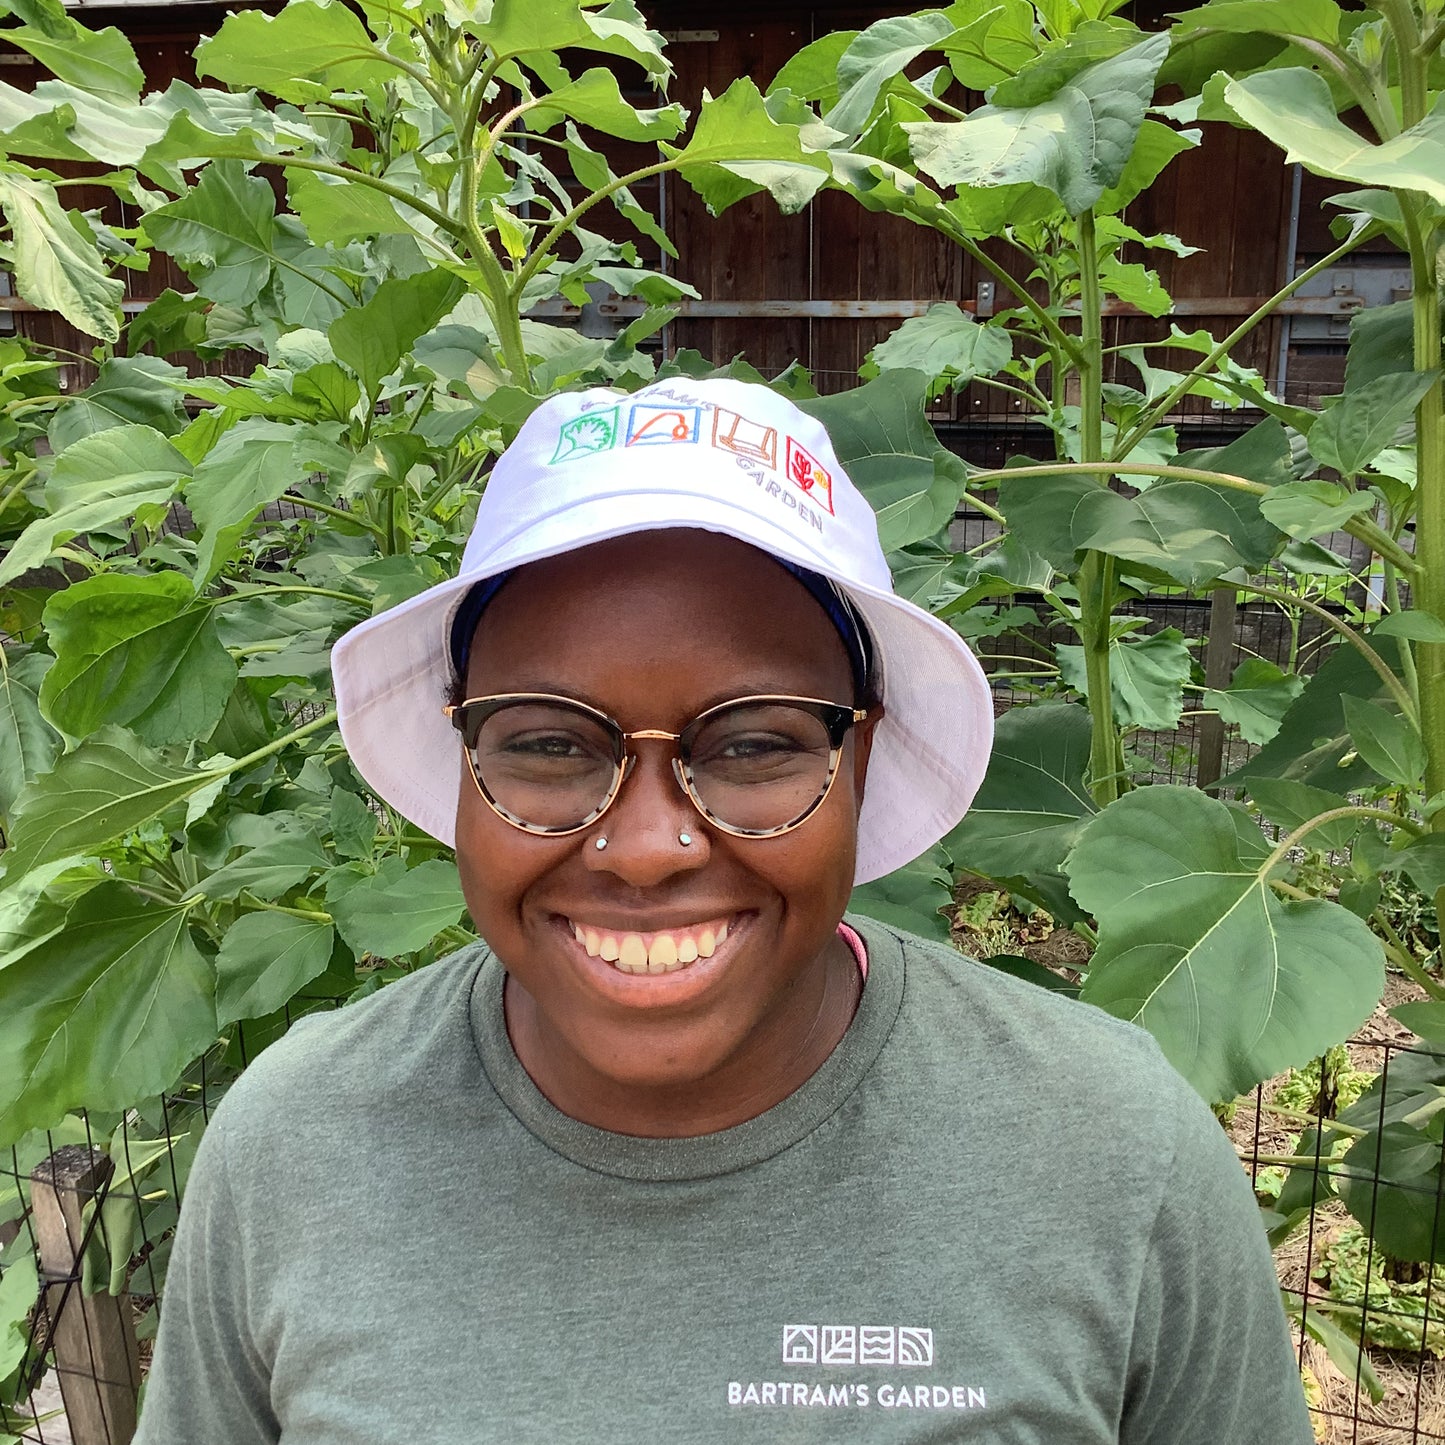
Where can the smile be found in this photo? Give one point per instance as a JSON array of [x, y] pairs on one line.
[[662, 952]]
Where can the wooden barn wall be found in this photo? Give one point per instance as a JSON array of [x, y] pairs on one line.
[[1230, 198]]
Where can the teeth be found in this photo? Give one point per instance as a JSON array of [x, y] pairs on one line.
[[667, 952]]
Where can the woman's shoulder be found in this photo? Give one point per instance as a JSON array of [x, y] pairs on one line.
[[1018, 1035], [407, 1036]]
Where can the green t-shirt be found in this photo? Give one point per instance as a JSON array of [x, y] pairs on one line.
[[992, 1216]]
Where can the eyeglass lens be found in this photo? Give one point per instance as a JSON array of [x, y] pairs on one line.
[[754, 767]]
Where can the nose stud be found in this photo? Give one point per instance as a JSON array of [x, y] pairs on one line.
[[600, 844], [685, 839]]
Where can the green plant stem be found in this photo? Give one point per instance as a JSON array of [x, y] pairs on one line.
[[306, 591], [26, 403], [13, 491], [260, 904], [1407, 649], [992, 513], [1334, 815], [1356, 80], [1054, 333], [1162, 408], [561, 227], [1433, 41], [275, 746], [1095, 577], [341, 514], [1382, 668], [1302, 1117], [1399, 953], [495, 134], [1290, 1161]]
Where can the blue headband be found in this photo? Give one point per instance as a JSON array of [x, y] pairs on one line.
[[841, 613]]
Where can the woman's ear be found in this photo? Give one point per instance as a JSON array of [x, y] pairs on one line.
[[863, 749]]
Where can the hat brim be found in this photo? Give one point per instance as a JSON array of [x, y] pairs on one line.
[[930, 751]]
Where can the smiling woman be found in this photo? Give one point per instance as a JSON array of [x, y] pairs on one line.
[[677, 1153]]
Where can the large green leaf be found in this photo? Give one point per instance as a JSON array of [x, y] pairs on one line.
[[530, 27], [57, 264], [137, 651], [1291, 805], [100, 61], [396, 910], [1306, 19], [1261, 455], [1147, 676], [1257, 698], [1190, 531], [914, 897], [1156, 146], [303, 53], [812, 72], [338, 210], [252, 465], [738, 149], [1381, 344], [1313, 509], [994, 41], [1388, 743], [1033, 804], [1313, 744], [1040, 512], [1390, 1178], [268, 871], [372, 339], [110, 784], [594, 100], [127, 391], [108, 1011], [19, 1291], [94, 484], [1236, 984], [1075, 142], [265, 959], [876, 57], [883, 439], [28, 744], [223, 231], [946, 344], [1295, 109], [1358, 427]]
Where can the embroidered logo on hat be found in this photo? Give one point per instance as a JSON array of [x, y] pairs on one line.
[[807, 472]]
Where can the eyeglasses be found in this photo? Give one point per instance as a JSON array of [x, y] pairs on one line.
[[754, 767]]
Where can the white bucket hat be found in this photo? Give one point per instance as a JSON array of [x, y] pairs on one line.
[[722, 456]]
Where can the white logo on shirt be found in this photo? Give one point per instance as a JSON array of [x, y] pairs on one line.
[[857, 1345]]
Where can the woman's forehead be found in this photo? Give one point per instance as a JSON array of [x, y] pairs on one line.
[[659, 602]]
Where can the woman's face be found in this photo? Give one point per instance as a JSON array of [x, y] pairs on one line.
[[653, 629]]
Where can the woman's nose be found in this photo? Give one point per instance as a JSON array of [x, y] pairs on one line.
[[647, 823]]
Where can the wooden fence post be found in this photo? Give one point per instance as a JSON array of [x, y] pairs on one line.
[[96, 1359], [1223, 619]]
